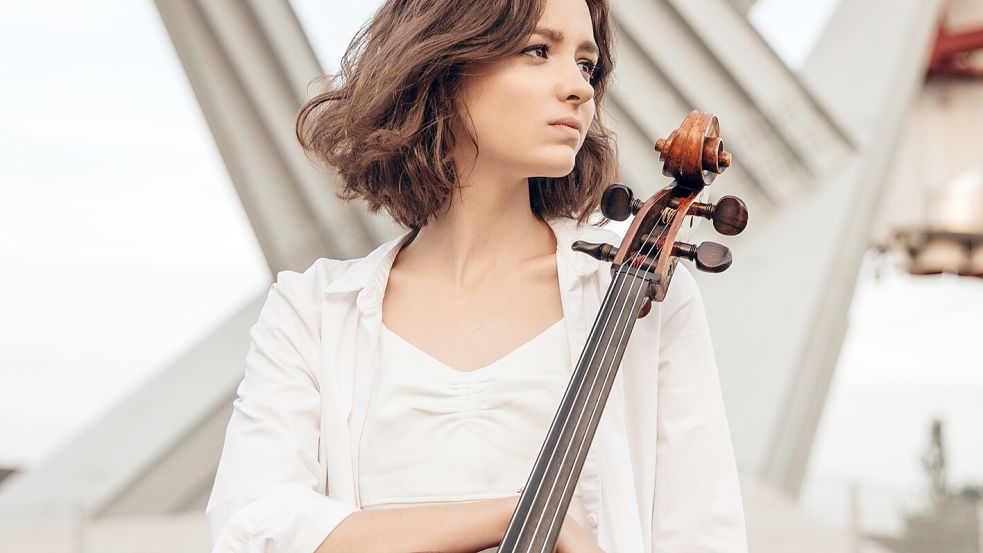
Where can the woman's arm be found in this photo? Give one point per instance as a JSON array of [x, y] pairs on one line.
[[268, 490], [456, 528], [459, 528]]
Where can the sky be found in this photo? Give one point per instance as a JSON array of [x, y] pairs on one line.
[[122, 241]]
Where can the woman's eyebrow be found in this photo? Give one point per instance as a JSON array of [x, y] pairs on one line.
[[557, 36]]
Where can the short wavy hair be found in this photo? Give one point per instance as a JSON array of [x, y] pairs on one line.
[[386, 121]]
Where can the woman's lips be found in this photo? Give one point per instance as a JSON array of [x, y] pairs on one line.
[[567, 130]]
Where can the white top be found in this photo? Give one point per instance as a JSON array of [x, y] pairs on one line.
[[434, 433], [659, 476]]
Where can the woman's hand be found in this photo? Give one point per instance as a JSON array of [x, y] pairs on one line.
[[574, 538]]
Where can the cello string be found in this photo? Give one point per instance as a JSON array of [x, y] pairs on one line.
[[642, 284], [622, 269], [609, 293], [552, 455], [536, 489]]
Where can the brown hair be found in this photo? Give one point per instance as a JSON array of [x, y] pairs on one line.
[[386, 121]]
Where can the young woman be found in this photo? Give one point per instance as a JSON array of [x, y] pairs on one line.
[[397, 402]]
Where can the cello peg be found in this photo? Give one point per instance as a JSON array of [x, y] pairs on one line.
[[710, 257], [729, 214], [618, 202], [604, 252]]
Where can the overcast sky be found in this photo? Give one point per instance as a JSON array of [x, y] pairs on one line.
[[122, 241]]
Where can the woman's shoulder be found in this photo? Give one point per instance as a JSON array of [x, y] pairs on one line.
[[296, 295], [326, 274], [310, 282]]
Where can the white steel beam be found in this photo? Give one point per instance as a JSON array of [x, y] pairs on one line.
[[154, 452], [773, 89], [250, 64], [703, 83], [778, 328]]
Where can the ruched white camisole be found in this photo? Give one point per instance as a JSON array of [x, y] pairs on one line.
[[437, 434]]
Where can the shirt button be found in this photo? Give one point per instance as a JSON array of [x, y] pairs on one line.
[[592, 520]]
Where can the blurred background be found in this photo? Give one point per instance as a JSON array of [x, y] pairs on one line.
[[150, 186]]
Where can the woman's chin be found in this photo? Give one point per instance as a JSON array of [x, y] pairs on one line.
[[558, 167]]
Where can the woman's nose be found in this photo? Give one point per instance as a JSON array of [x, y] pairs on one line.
[[574, 84]]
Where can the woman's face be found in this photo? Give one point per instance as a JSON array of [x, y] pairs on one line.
[[513, 103]]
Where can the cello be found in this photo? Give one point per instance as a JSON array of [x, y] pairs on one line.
[[641, 267]]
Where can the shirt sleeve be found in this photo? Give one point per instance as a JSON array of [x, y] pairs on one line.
[[698, 506], [267, 496]]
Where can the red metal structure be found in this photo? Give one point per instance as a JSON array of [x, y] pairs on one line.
[[952, 54]]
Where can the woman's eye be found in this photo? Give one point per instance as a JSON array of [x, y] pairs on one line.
[[545, 49], [588, 65]]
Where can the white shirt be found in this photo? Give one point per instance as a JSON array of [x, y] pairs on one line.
[[436, 434], [660, 475]]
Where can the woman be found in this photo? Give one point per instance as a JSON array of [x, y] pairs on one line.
[[396, 402]]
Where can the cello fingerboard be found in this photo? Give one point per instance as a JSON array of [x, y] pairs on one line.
[[536, 522]]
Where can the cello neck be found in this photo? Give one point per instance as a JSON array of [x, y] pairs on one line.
[[536, 522]]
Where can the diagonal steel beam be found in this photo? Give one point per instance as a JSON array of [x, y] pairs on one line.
[[660, 35], [249, 65], [818, 244]]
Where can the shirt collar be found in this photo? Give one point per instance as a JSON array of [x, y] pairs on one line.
[[370, 273]]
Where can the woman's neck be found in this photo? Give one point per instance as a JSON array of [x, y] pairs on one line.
[[487, 228]]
